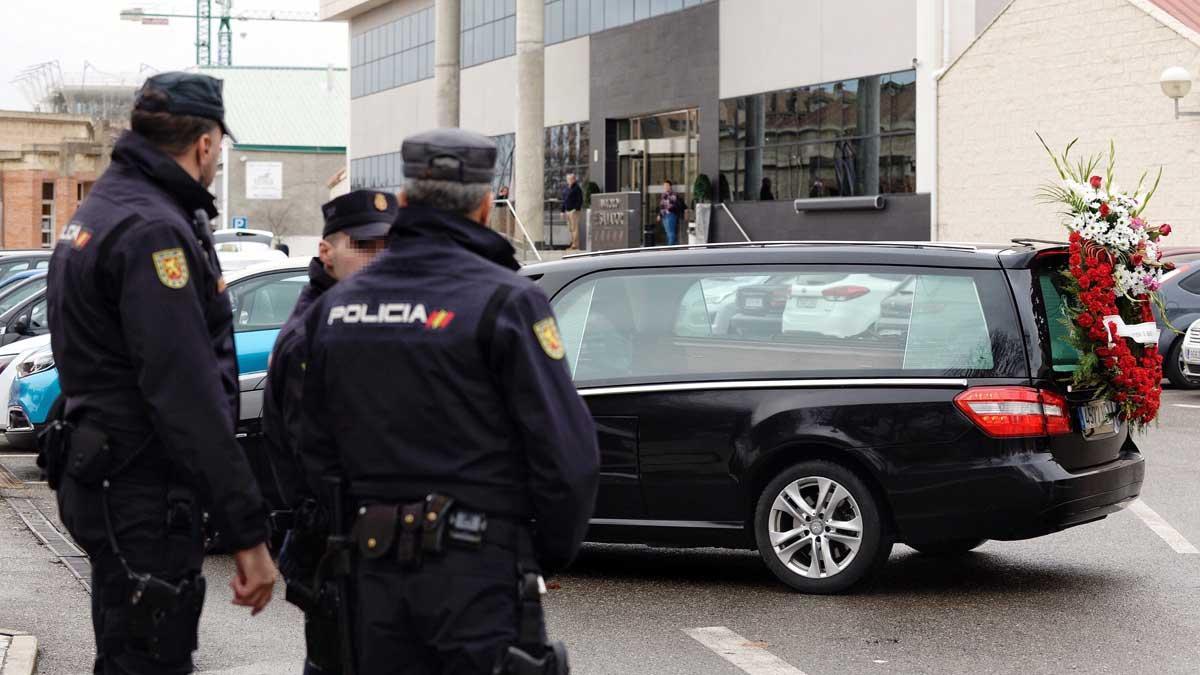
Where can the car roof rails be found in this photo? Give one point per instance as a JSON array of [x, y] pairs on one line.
[[763, 244], [1030, 242]]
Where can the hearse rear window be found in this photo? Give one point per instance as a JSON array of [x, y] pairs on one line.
[[799, 321]]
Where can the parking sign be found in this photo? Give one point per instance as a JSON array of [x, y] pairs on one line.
[[240, 222]]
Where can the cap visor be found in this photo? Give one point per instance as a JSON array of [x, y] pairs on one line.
[[227, 132], [376, 230]]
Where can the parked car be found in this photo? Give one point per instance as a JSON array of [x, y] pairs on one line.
[[262, 298], [12, 262], [1181, 297], [1190, 351], [25, 319], [11, 356], [821, 451], [241, 249]]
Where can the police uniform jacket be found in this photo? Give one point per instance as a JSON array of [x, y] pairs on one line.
[[142, 329], [438, 368], [281, 398]]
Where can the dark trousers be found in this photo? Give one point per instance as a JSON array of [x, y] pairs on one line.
[[454, 616], [126, 644]]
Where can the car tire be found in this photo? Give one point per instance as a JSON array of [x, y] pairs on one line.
[[1173, 368], [947, 548], [843, 557]]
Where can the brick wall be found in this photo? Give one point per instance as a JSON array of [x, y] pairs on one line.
[[1064, 68], [23, 205]]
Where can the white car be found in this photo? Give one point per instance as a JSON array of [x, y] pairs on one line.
[[836, 305], [11, 355], [239, 249], [1190, 354]]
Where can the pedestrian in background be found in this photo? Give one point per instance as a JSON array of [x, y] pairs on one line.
[[502, 215], [356, 229], [572, 203], [143, 341], [436, 386], [670, 209]]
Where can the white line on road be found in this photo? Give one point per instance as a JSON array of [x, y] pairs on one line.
[[1186, 405], [1162, 528], [741, 652]]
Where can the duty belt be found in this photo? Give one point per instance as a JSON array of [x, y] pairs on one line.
[[409, 532]]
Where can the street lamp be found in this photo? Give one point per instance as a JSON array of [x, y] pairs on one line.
[[1176, 82]]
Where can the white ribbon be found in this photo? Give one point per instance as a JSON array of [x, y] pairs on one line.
[[1141, 333]]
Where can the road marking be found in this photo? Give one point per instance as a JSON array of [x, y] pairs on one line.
[[743, 653], [1186, 405], [1162, 528]]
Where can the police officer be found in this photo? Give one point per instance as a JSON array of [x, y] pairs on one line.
[[143, 339], [436, 386], [356, 229]]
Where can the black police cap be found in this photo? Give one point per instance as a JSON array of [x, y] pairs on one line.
[[362, 214], [184, 94], [449, 154]]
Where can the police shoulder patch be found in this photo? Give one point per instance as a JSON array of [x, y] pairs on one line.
[[546, 331], [171, 266]]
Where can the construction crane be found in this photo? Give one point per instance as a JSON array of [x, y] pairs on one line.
[[204, 17]]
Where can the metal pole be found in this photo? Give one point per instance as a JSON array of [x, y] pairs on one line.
[[225, 143], [445, 61], [531, 84]]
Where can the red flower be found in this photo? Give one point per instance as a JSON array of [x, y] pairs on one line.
[[1136, 259], [1164, 229], [1085, 320], [1168, 266], [1095, 181], [1104, 210]]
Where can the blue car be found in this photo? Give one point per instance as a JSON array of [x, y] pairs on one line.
[[262, 298]]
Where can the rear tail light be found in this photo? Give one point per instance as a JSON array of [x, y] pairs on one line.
[[844, 293], [779, 297], [1012, 412]]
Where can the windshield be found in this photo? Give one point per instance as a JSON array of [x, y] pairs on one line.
[[19, 293], [1051, 277]]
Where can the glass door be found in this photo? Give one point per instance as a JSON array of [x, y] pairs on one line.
[[660, 147]]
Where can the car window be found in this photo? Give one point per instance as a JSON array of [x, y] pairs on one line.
[[1191, 283], [42, 264], [265, 302], [7, 269], [20, 293], [1064, 358], [823, 321], [38, 322]]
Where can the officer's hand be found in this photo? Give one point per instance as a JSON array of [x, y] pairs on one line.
[[255, 578]]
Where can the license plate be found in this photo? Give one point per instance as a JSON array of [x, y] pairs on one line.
[[1098, 419], [1192, 355], [754, 303], [806, 303]]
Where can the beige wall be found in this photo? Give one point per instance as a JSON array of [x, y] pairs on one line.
[[18, 130], [775, 44], [1032, 71], [305, 188], [489, 91]]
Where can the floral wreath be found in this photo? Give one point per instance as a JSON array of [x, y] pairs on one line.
[[1111, 284]]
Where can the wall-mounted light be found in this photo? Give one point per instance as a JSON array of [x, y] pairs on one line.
[[1176, 82]]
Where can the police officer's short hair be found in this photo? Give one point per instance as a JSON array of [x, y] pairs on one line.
[[173, 134]]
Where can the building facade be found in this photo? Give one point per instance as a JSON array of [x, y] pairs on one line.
[[771, 100], [48, 163], [1030, 73], [290, 126]]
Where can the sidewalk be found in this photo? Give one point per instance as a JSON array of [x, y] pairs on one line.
[[18, 653]]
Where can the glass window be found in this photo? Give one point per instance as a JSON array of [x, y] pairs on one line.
[[265, 302], [784, 322], [1191, 284], [38, 322], [570, 19], [21, 292], [554, 22], [1064, 358]]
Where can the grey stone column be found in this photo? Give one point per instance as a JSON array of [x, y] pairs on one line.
[[756, 137], [868, 125], [445, 60], [531, 91]]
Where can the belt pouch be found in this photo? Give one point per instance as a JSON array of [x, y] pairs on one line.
[[90, 456], [433, 530], [411, 517], [375, 531]]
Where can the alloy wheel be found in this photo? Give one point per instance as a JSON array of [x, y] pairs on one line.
[[815, 527]]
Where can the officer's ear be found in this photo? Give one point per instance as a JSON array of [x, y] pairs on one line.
[[402, 198], [483, 213]]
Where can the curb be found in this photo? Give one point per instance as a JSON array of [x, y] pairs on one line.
[[21, 657]]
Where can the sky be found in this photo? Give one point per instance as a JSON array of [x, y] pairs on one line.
[[73, 32]]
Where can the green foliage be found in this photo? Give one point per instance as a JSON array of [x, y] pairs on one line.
[[702, 188], [588, 190]]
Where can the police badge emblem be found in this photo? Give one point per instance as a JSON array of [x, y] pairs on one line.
[[546, 331], [171, 266]]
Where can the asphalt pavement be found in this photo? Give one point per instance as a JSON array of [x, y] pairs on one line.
[[1117, 596]]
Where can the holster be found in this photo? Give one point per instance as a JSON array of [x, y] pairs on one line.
[[161, 617], [54, 445], [533, 654]]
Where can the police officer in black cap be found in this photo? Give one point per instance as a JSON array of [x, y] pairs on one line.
[[436, 386], [143, 340], [356, 229]]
